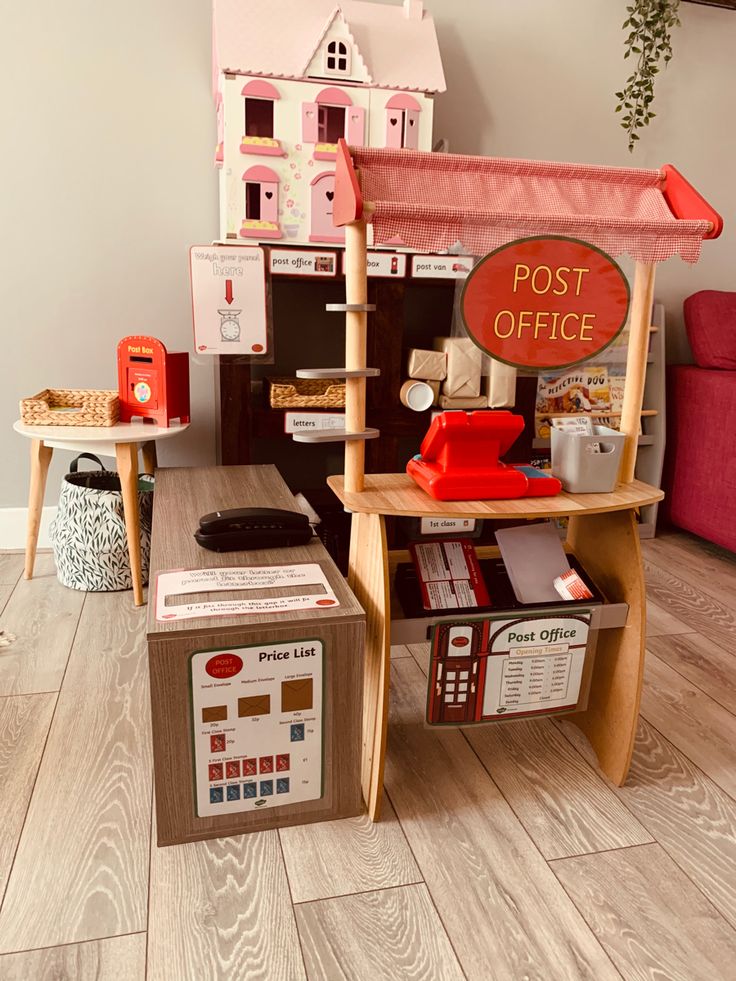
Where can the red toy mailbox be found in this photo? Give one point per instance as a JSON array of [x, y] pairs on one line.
[[152, 383], [459, 460]]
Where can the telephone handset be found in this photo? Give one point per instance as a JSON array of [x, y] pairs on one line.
[[251, 528]]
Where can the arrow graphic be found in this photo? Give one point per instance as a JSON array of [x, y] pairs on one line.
[[229, 290]]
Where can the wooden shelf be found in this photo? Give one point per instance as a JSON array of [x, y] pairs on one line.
[[397, 494], [334, 436], [338, 373]]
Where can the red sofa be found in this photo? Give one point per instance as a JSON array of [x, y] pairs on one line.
[[700, 460]]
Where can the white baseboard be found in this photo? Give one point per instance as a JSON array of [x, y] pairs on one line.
[[13, 527]]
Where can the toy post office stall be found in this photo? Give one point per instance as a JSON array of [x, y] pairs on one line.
[[431, 202]]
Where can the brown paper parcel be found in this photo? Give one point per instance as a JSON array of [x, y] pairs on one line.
[[427, 365], [464, 363], [481, 402]]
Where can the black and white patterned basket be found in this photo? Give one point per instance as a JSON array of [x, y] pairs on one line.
[[88, 533]]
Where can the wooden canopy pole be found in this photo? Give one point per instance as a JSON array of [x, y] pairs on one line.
[[356, 334], [636, 365]]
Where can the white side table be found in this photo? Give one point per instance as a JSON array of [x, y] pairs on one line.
[[120, 441]]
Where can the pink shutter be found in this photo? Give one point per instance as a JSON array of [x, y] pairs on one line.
[[411, 126], [270, 202], [356, 126], [310, 118], [394, 126]]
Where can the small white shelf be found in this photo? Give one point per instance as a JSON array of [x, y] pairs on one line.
[[338, 372], [350, 307], [334, 436]]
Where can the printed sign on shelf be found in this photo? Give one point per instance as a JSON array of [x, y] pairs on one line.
[[308, 422], [387, 265], [257, 726], [229, 299], [265, 589], [441, 266], [446, 526], [545, 302], [502, 667], [293, 262]]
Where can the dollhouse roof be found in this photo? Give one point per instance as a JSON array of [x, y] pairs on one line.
[[432, 201], [279, 38]]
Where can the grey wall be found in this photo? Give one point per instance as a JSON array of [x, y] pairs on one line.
[[108, 137]]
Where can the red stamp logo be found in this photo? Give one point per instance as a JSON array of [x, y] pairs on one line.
[[224, 665]]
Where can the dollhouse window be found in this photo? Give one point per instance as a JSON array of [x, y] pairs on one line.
[[259, 117], [261, 187], [402, 122], [259, 97], [328, 119], [331, 123], [337, 59], [253, 200]]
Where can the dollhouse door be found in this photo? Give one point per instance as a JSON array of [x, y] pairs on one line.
[[323, 194], [457, 683], [456, 689]]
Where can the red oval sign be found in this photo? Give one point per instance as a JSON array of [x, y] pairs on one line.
[[546, 302], [324, 602], [224, 665], [460, 642]]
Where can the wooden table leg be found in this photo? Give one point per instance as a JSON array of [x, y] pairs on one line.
[[40, 460], [150, 460], [127, 461], [368, 577], [608, 547]]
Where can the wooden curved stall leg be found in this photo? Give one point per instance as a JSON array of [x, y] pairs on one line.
[[150, 458], [40, 460], [127, 461], [368, 578], [608, 547]]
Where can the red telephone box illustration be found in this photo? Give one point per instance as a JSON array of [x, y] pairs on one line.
[[455, 675], [152, 382]]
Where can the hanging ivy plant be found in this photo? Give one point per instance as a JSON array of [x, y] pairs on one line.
[[650, 23]]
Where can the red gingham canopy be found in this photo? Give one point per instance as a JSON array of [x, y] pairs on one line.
[[431, 201]]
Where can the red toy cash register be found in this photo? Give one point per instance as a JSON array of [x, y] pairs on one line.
[[459, 460]]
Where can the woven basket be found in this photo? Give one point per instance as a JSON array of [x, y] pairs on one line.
[[71, 407], [303, 393]]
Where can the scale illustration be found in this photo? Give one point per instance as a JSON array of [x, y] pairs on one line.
[[230, 325]]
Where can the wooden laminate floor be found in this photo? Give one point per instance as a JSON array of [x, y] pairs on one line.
[[503, 853]]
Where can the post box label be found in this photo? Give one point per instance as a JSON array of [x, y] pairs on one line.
[[257, 730], [545, 302]]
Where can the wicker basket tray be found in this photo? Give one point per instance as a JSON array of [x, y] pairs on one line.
[[71, 407], [306, 393]]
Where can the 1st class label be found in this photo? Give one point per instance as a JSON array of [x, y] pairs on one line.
[[257, 721]]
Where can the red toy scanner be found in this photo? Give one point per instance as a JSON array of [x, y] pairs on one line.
[[152, 383], [459, 460]]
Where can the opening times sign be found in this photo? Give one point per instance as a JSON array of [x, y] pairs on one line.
[[546, 302]]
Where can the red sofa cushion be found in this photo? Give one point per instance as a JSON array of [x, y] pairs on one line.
[[710, 321], [700, 465]]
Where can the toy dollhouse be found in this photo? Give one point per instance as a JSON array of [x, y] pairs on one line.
[[291, 78]]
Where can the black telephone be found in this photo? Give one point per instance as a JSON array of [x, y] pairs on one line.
[[249, 528]]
